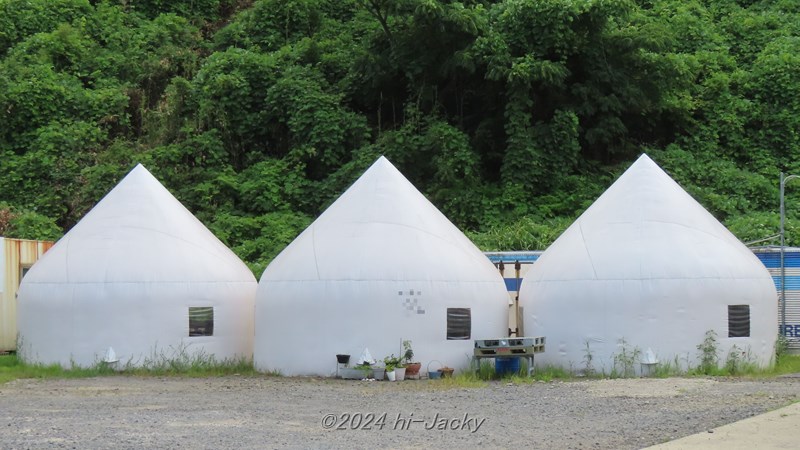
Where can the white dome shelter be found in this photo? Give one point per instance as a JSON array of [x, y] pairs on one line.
[[379, 266], [648, 264], [141, 274]]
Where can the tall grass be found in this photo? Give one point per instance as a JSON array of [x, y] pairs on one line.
[[183, 364], [180, 361], [486, 373], [787, 364], [11, 368], [201, 365], [481, 374]]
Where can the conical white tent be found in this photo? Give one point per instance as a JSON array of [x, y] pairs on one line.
[[379, 266], [141, 274], [648, 264]]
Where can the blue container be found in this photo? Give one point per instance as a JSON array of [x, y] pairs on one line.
[[504, 366]]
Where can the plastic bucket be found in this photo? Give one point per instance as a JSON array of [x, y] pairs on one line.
[[504, 366], [434, 374]]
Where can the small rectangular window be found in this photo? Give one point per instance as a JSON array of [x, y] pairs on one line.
[[201, 321], [738, 320], [459, 324]]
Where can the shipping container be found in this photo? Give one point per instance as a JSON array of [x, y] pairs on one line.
[[16, 257], [788, 317]]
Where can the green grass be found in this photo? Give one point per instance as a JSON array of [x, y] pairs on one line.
[[460, 380], [786, 364], [486, 373], [11, 368], [546, 373], [200, 365]]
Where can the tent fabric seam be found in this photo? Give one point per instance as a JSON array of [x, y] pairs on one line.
[[586, 248]]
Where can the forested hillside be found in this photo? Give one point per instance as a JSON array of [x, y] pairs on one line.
[[511, 116]]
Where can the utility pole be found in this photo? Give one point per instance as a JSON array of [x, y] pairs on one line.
[[783, 181]]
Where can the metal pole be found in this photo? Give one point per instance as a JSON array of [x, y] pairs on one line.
[[517, 268], [783, 268]]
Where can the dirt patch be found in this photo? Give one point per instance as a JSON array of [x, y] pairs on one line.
[[648, 388]]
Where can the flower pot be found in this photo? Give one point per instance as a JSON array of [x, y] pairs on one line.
[[391, 375], [348, 373], [343, 359], [434, 375], [412, 369], [400, 373], [378, 372]]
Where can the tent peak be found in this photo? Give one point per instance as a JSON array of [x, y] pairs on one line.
[[383, 161], [644, 159]]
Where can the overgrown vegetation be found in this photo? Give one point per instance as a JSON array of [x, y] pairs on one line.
[[709, 354], [196, 365], [11, 368], [588, 356], [512, 116], [666, 369], [626, 360], [486, 372]]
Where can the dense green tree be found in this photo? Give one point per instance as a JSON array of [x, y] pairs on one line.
[[22, 18], [512, 116]]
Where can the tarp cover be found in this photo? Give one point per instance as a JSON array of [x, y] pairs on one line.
[[125, 276], [380, 265], [648, 264]]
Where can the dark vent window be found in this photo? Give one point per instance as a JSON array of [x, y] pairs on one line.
[[201, 321], [459, 324], [738, 320]]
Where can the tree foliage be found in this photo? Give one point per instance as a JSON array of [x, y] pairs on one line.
[[512, 116]]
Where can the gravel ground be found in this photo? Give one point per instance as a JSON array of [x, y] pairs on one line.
[[268, 412]]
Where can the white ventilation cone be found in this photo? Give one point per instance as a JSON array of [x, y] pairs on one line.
[[649, 363], [111, 358], [366, 357], [649, 357]]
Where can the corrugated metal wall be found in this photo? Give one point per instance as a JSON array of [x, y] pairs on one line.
[[16, 256], [771, 257]]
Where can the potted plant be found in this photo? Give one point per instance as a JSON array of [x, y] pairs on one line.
[[351, 373], [378, 372], [366, 370], [393, 368], [447, 372], [412, 368]]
